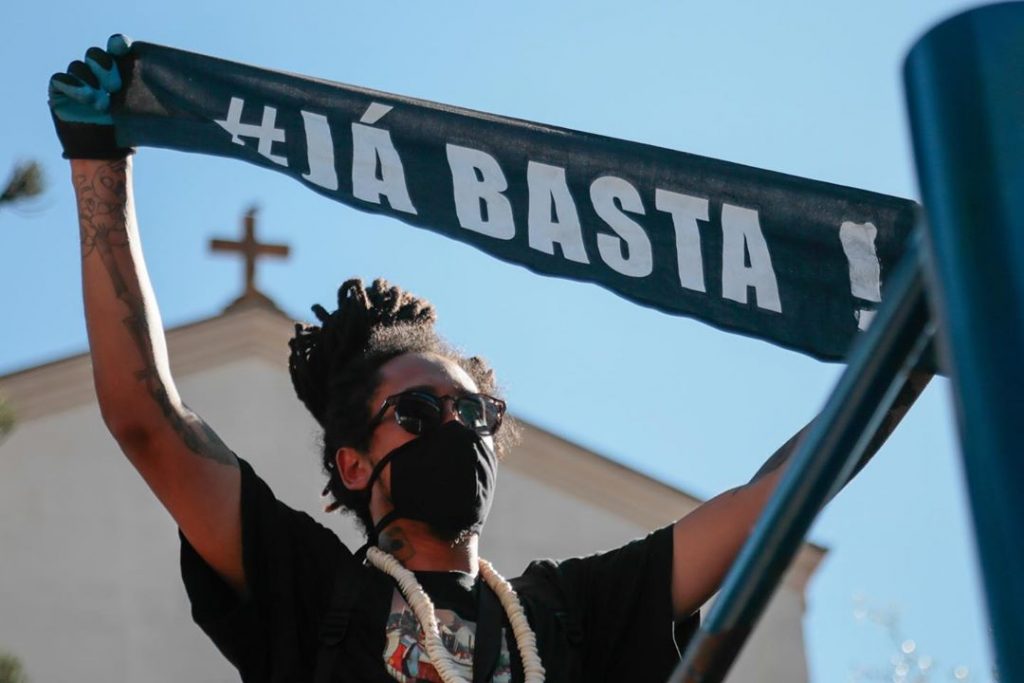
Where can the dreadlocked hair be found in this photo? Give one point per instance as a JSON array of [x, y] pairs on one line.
[[334, 370]]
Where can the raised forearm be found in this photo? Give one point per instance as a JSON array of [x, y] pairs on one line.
[[912, 387], [125, 333], [130, 368], [773, 466], [194, 475], [708, 540]]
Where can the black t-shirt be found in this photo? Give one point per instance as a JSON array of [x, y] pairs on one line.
[[605, 617]]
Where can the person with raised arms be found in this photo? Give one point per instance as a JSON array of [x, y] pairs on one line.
[[412, 437]]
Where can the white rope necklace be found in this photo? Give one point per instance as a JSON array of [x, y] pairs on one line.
[[423, 608]]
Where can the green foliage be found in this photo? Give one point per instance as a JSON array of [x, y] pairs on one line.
[[26, 181], [11, 670], [6, 426]]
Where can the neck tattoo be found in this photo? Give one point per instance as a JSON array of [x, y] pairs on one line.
[[423, 608], [393, 542]]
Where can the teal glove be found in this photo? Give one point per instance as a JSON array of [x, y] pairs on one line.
[[80, 103]]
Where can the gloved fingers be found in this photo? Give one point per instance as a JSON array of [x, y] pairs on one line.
[[79, 70], [99, 61], [118, 45], [89, 93], [73, 100], [80, 103], [65, 86], [104, 69]]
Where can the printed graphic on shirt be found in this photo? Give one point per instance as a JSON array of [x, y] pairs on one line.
[[405, 652]]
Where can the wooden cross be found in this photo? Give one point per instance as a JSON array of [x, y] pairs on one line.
[[251, 250]]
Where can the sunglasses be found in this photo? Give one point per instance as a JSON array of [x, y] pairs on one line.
[[419, 412]]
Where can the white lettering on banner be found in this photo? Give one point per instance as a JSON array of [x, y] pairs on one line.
[[319, 151], [266, 134], [482, 204], [611, 198], [865, 270], [376, 167], [477, 187], [552, 216], [741, 236], [686, 211], [374, 113]]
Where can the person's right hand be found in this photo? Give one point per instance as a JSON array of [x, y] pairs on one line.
[[80, 103]]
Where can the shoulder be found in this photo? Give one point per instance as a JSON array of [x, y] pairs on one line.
[[627, 580], [290, 560], [541, 579], [636, 556], [293, 566], [612, 605], [271, 526]]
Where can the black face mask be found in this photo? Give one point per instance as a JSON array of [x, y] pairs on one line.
[[444, 478]]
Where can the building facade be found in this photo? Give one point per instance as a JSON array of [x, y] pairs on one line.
[[89, 583]]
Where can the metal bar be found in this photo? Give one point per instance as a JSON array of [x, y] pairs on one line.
[[915, 383], [878, 371], [965, 91]]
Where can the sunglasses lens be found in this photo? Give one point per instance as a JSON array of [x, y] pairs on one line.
[[481, 412], [473, 412], [417, 413]]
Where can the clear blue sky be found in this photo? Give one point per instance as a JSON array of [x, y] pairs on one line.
[[810, 88]]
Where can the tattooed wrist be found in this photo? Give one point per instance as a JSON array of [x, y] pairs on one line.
[[102, 192]]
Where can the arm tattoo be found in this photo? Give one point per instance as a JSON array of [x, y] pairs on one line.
[[102, 209], [779, 457]]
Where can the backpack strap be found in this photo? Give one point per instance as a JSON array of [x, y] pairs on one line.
[[487, 644], [335, 623]]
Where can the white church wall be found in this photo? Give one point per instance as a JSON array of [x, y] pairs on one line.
[[531, 520], [89, 587]]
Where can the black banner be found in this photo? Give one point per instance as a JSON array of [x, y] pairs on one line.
[[797, 262]]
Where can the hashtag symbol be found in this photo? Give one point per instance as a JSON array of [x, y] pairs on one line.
[[265, 133]]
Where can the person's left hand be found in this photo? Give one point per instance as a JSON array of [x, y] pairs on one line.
[[80, 103]]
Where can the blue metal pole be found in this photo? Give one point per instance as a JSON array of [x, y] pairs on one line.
[[965, 92], [879, 372]]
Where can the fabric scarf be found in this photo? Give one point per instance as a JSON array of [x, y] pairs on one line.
[[797, 262]]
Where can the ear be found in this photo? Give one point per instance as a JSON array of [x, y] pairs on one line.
[[354, 468]]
